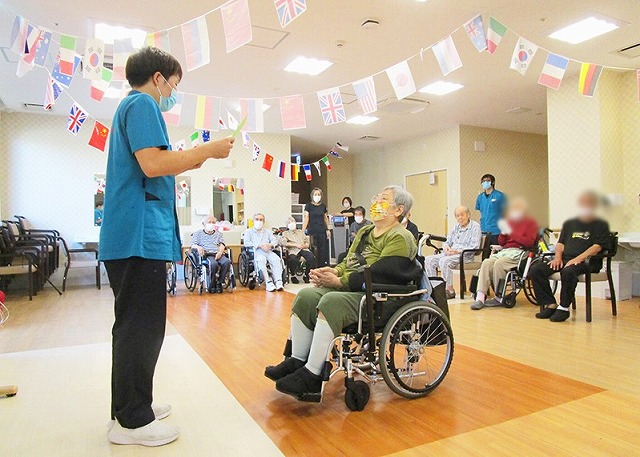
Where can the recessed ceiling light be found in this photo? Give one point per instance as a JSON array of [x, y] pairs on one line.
[[363, 120], [441, 88], [308, 66], [584, 30], [107, 33]]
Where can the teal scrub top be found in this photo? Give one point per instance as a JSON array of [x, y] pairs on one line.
[[491, 209], [140, 217]]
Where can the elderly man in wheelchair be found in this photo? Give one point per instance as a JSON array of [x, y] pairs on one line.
[[208, 243], [264, 245], [330, 321]]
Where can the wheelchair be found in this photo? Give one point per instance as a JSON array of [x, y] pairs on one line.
[[250, 276], [408, 343], [303, 268], [172, 279], [196, 272]]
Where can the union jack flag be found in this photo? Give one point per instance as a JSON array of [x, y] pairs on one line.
[[288, 10], [331, 106], [365, 91], [77, 116]]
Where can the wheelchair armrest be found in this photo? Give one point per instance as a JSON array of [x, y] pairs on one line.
[[394, 288], [437, 237]]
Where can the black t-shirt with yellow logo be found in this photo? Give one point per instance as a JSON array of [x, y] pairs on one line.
[[578, 236]]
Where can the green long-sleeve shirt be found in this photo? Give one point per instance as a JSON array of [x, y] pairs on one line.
[[397, 241]]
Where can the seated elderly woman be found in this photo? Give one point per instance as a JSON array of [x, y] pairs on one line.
[[518, 233], [465, 235], [297, 244], [321, 312]]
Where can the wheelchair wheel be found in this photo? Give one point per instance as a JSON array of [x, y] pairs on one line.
[[530, 293], [416, 349], [243, 272], [189, 274], [510, 300], [172, 279], [357, 394], [252, 284]]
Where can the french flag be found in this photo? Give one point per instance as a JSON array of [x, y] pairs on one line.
[[553, 71]]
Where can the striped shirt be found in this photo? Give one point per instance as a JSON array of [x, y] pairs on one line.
[[210, 242], [469, 237]]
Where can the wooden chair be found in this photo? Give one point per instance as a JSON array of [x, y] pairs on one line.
[[79, 262], [607, 254]]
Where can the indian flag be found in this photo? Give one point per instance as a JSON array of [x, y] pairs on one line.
[[494, 34], [589, 76]]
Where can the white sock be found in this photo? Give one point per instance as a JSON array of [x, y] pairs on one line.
[[480, 296], [300, 339], [322, 338], [562, 308]]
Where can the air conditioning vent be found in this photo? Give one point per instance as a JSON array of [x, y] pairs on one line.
[[631, 52], [33, 106], [369, 138], [407, 105]]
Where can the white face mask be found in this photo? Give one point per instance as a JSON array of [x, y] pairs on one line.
[[292, 226], [585, 212], [258, 224], [209, 227], [359, 219], [516, 215], [317, 198]]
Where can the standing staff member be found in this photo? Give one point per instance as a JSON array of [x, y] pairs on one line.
[[316, 224], [140, 233], [491, 203]]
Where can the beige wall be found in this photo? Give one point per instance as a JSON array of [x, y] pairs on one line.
[[595, 143], [517, 160], [339, 183], [47, 174], [389, 165]]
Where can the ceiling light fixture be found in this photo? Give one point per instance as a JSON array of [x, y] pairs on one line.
[[308, 65], [441, 88], [108, 33], [584, 30], [363, 120]]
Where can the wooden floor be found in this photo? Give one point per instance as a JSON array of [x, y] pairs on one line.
[[517, 385]]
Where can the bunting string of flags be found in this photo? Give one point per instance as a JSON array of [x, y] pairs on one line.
[[33, 45]]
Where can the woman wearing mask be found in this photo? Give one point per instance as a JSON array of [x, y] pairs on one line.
[[141, 174], [316, 225], [359, 222], [347, 210]]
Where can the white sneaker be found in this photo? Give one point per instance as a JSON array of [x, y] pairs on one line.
[[160, 410], [270, 287], [154, 434], [279, 285]]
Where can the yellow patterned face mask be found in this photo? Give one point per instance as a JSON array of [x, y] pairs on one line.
[[379, 210]]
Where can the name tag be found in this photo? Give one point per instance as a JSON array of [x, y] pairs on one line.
[[493, 200]]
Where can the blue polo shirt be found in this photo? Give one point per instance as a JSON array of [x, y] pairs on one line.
[[140, 217], [491, 209]]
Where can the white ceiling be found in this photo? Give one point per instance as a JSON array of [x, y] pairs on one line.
[[406, 26]]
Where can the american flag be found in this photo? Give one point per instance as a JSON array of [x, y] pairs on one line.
[[288, 10], [77, 116], [53, 92], [365, 90], [331, 106]]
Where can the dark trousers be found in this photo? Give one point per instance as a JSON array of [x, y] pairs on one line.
[[218, 267], [491, 239], [321, 244], [139, 288], [539, 274], [293, 261]]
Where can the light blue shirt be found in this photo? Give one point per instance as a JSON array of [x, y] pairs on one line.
[[140, 217], [254, 238], [491, 209], [461, 239]]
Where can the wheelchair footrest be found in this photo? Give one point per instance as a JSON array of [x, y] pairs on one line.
[[311, 397]]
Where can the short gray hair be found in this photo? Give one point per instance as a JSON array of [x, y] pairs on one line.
[[462, 208], [259, 214], [401, 198]]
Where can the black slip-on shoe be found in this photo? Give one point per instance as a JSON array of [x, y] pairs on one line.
[[303, 385], [545, 313], [560, 316], [284, 368]]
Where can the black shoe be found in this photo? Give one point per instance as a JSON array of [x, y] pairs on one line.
[[295, 280], [545, 313], [306, 280], [284, 368], [219, 288], [303, 385], [211, 290], [560, 316]]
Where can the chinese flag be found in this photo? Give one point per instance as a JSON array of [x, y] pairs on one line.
[[268, 162], [99, 136]]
